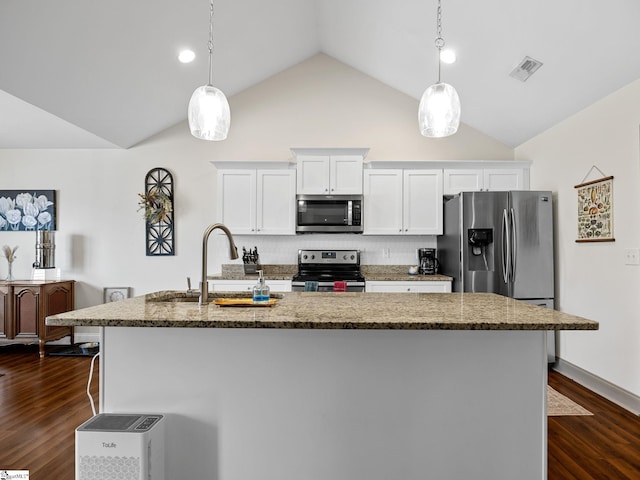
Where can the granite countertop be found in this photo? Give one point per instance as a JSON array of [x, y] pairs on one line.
[[318, 310], [394, 273]]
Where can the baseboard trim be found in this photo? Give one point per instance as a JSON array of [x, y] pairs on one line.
[[608, 390]]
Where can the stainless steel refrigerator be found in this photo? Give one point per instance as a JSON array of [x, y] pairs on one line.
[[501, 242]]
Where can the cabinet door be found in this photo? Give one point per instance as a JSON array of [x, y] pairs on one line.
[[57, 298], [5, 312], [422, 208], [503, 179], [313, 174], [345, 175], [27, 311], [463, 180], [276, 202], [237, 200], [247, 285], [382, 202], [412, 287]]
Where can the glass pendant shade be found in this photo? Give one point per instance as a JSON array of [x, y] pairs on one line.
[[209, 114], [439, 111]]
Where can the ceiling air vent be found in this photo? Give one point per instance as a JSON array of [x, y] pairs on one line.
[[525, 69]]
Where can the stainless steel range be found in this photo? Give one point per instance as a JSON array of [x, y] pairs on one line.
[[328, 271]]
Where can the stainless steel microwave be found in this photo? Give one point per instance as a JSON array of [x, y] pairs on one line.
[[329, 214]]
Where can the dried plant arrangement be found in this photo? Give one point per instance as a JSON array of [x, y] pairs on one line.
[[9, 253], [156, 204]]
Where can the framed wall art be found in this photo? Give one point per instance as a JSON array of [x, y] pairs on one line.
[[595, 210], [115, 294], [27, 210]]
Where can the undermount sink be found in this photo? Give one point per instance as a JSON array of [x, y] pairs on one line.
[[192, 296]]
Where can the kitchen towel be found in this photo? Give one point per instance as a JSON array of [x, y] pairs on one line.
[[339, 286], [310, 286]]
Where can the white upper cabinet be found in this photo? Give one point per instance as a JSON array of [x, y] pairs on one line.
[[276, 202], [458, 180], [402, 202], [422, 202], [237, 200], [313, 174], [382, 209], [345, 175], [329, 171], [257, 201], [497, 178], [502, 179]]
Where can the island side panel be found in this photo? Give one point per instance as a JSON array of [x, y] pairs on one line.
[[338, 404]]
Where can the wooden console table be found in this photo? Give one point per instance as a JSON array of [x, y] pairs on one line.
[[24, 304]]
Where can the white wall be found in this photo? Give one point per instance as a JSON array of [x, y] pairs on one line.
[[318, 103], [592, 279]]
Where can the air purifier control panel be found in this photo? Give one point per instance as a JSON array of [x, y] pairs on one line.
[[147, 423]]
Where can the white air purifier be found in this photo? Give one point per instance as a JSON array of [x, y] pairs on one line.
[[116, 446]]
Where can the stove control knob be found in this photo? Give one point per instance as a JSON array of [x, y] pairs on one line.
[[353, 257], [344, 257], [313, 257], [304, 257]]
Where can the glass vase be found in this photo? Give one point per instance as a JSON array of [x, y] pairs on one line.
[[10, 275]]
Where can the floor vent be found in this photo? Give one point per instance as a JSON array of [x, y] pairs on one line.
[[525, 69]]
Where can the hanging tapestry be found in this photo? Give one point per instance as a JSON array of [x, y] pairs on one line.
[[595, 211]]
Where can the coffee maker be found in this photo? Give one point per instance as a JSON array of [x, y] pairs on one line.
[[427, 262]]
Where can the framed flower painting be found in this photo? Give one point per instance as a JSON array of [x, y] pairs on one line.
[[27, 210]]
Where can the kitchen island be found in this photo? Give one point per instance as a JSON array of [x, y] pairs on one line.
[[334, 385]]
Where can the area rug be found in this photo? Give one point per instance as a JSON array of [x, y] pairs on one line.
[[558, 405]]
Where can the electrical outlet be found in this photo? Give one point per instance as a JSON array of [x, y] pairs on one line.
[[632, 256]]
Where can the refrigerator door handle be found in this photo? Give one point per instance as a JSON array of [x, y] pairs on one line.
[[505, 246], [514, 246]]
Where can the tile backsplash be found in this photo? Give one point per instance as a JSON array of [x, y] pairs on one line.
[[375, 249]]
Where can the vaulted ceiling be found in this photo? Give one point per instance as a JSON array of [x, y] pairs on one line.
[[90, 74]]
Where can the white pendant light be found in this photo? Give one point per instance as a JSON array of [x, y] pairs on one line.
[[439, 110], [209, 114]]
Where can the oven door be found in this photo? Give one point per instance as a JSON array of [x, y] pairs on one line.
[[329, 214], [352, 286]]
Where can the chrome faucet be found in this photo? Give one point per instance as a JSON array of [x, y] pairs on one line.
[[233, 254]]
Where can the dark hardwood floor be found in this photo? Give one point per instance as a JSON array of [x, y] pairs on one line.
[[43, 401], [599, 447], [41, 404]]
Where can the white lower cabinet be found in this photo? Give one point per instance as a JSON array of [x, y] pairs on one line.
[[276, 286], [416, 286]]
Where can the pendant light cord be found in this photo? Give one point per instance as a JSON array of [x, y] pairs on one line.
[[439, 40], [211, 44]]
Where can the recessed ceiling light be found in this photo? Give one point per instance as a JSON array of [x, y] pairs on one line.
[[448, 56], [186, 56]]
